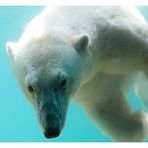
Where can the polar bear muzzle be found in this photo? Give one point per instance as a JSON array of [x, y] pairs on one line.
[[51, 111]]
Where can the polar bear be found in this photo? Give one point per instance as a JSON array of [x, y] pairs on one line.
[[91, 54]]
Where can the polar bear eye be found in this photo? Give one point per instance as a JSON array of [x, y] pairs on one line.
[[63, 84], [33, 89]]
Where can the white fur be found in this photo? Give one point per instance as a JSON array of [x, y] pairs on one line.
[[117, 51]]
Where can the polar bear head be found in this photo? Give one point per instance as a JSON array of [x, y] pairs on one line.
[[49, 69]]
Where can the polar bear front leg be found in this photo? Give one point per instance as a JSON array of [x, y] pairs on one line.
[[104, 100], [116, 119]]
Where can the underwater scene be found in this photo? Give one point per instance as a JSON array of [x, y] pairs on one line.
[[18, 120]]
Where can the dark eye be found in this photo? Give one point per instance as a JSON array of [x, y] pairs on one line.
[[63, 84], [31, 88]]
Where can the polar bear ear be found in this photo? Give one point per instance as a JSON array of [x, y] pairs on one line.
[[10, 47], [81, 42]]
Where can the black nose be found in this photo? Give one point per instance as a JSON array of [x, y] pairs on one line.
[[51, 133]]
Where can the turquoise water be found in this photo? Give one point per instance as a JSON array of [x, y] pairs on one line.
[[18, 120]]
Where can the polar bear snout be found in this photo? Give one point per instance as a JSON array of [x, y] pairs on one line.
[[51, 111], [51, 125]]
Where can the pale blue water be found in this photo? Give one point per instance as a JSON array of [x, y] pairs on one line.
[[18, 120]]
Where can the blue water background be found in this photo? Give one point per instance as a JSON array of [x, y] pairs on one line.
[[18, 120]]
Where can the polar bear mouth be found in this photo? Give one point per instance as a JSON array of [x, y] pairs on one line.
[[52, 133]]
